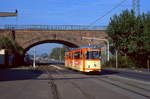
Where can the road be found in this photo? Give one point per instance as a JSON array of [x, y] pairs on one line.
[[133, 74], [61, 83]]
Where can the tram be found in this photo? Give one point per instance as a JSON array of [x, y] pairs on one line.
[[85, 59]]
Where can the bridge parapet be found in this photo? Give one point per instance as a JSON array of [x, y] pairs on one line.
[[53, 27]]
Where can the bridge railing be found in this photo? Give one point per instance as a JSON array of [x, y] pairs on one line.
[[53, 27]]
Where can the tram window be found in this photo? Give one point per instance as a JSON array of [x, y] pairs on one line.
[[81, 55], [70, 56], [77, 55], [93, 55]]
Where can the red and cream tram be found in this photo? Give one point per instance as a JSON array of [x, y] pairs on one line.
[[85, 59]]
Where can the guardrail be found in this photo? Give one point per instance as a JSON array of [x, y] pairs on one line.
[[53, 27]]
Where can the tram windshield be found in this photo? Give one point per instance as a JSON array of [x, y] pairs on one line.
[[93, 55]]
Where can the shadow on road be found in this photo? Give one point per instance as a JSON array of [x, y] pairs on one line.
[[103, 72], [18, 74], [76, 75]]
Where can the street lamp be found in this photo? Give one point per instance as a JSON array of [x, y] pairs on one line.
[[34, 58], [91, 38]]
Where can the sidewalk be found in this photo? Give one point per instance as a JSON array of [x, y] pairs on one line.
[[140, 70]]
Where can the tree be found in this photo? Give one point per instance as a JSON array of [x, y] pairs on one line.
[[58, 53], [44, 55], [13, 48], [131, 35], [11, 45]]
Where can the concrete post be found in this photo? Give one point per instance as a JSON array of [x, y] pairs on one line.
[[34, 58], [116, 59]]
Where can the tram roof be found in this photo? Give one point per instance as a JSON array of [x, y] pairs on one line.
[[83, 47], [89, 47]]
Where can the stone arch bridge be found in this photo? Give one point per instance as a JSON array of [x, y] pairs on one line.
[[28, 36]]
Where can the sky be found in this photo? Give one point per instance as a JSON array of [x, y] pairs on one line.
[[44, 48], [64, 12]]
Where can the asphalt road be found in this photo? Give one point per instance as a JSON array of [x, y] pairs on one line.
[[133, 74], [61, 83]]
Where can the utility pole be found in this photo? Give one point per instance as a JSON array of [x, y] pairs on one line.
[[136, 6]]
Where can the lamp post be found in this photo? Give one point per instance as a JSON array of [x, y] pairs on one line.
[[34, 58], [91, 38]]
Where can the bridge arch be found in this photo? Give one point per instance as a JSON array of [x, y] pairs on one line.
[[67, 43]]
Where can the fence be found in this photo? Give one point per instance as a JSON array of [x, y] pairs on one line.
[[53, 27]]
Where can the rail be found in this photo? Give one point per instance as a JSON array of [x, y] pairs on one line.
[[53, 27]]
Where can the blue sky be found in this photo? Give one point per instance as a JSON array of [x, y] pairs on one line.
[[44, 48], [64, 12]]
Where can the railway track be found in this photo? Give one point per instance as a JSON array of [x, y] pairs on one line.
[[86, 95], [53, 86], [126, 86], [132, 87], [131, 84], [127, 89]]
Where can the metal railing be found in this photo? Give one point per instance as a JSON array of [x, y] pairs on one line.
[[53, 27]]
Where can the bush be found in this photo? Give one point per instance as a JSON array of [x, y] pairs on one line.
[[123, 62], [11, 45]]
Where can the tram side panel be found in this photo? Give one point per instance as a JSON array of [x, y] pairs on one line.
[[83, 65], [68, 63], [67, 60], [92, 65], [78, 64]]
